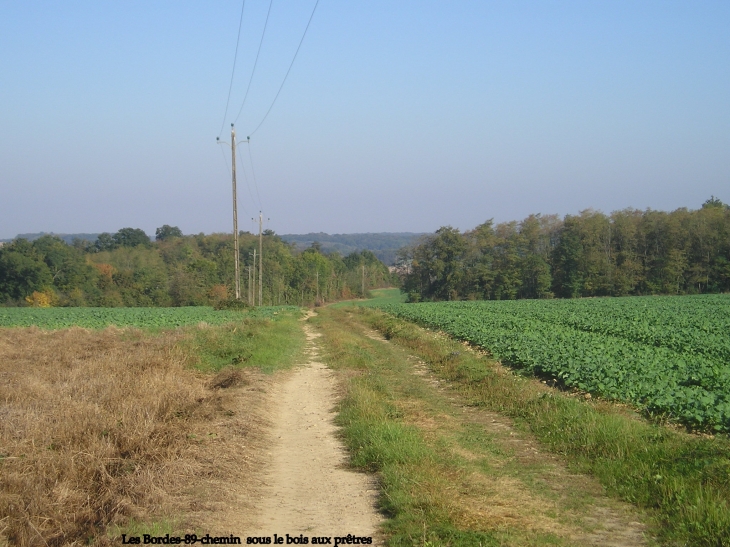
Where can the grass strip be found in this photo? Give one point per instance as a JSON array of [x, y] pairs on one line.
[[394, 424], [683, 478], [269, 343], [378, 297]]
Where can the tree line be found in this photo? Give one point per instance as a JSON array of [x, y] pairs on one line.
[[628, 252], [127, 268]]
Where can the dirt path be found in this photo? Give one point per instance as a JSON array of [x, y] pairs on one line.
[[306, 487], [298, 482]]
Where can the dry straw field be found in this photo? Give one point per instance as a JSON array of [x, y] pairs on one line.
[[111, 426]]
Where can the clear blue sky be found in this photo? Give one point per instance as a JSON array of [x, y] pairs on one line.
[[397, 115]]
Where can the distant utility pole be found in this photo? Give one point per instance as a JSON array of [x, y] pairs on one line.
[[253, 291], [363, 280], [261, 259], [248, 292], [235, 212]]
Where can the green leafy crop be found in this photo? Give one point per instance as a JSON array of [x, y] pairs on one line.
[[152, 318], [667, 355]]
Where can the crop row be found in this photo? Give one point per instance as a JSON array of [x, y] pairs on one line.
[[691, 324], [690, 386], [154, 318]]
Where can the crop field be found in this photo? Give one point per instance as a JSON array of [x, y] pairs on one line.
[[667, 355], [149, 318]]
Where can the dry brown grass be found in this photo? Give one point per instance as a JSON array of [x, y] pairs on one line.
[[98, 427]]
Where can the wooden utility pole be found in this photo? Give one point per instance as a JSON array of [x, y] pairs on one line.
[[261, 259], [235, 213], [363, 280], [253, 292], [249, 286]]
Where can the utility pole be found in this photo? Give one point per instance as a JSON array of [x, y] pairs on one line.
[[236, 260], [316, 302], [261, 259], [363, 280], [249, 285], [235, 212], [253, 292]]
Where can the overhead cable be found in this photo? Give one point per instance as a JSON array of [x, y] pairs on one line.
[[253, 71], [253, 173], [248, 184], [287, 72], [233, 70]]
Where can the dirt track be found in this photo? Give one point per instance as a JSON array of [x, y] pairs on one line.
[[299, 484], [307, 489]]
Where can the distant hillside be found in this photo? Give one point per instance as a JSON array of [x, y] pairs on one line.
[[68, 238], [384, 245]]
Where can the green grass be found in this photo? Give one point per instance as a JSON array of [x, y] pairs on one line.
[[398, 426], [379, 297], [138, 528], [683, 479], [380, 442], [267, 343]]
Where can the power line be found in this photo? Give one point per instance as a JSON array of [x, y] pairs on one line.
[[233, 70], [248, 185], [256, 184], [228, 168], [289, 70], [266, 23]]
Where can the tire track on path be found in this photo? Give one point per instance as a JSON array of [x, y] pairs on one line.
[[528, 487], [307, 488]]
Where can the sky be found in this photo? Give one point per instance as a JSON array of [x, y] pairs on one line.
[[396, 116]]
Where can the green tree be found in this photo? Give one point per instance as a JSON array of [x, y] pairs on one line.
[[675, 266], [479, 275], [714, 202], [311, 274], [67, 265], [133, 276], [506, 263], [437, 266], [131, 237], [627, 270], [535, 239], [105, 242], [567, 256], [166, 232], [22, 271], [596, 261]]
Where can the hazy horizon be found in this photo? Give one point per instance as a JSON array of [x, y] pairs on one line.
[[151, 232], [394, 117]]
